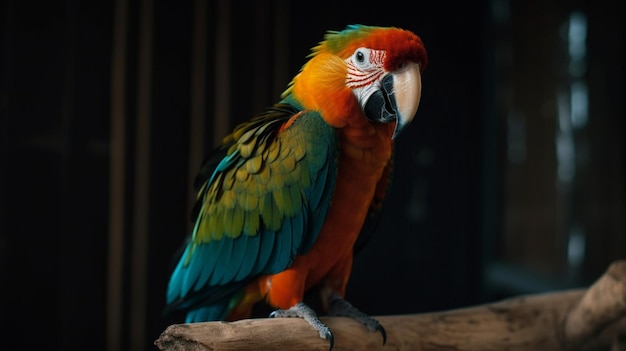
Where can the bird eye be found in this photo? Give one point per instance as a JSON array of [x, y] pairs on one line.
[[361, 58]]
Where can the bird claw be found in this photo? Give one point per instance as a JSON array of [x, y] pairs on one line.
[[305, 312], [382, 331], [340, 307], [331, 339]]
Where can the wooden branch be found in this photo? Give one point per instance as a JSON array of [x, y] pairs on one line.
[[580, 319]]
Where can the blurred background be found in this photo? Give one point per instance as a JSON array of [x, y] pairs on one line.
[[509, 181]]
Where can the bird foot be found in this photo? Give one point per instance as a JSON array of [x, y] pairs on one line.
[[305, 312], [337, 306]]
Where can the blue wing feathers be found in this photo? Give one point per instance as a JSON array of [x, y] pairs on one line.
[[265, 251], [250, 255], [298, 226], [189, 273], [223, 269], [276, 261], [205, 256]]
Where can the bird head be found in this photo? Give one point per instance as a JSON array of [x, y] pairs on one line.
[[363, 71]]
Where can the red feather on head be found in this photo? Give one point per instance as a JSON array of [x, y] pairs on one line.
[[401, 45]]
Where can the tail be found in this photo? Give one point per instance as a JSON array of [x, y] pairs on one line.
[[199, 309], [217, 312], [238, 306]]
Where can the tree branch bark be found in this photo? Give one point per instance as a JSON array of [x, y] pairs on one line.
[[579, 319]]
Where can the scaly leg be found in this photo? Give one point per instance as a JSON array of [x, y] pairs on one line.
[[305, 312], [337, 306]]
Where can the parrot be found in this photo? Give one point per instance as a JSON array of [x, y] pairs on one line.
[[282, 201]]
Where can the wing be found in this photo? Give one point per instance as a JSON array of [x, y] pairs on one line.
[[261, 203]]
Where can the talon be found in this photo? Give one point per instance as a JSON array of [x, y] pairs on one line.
[[272, 315], [382, 331], [329, 337]]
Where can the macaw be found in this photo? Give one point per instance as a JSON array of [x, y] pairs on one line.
[[283, 199]]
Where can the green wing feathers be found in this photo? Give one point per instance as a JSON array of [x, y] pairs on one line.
[[265, 185]]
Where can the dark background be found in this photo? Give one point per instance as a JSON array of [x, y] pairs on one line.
[[509, 181]]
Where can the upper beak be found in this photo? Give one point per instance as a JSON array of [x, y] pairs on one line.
[[398, 98], [407, 89]]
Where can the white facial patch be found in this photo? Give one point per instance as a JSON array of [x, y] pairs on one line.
[[365, 68]]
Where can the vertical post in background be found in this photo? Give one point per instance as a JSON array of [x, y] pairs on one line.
[[117, 173], [281, 47], [198, 95], [261, 42], [222, 72], [139, 256]]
